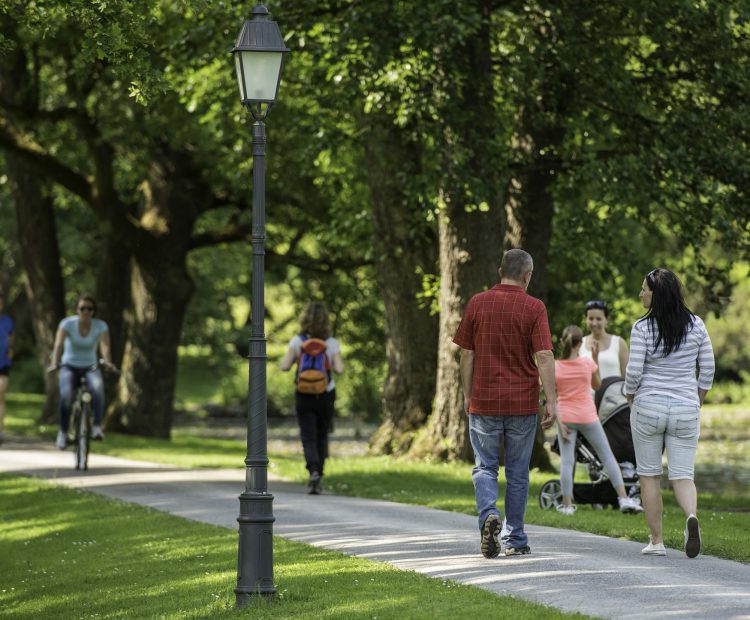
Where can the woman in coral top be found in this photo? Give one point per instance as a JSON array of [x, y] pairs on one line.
[[575, 375]]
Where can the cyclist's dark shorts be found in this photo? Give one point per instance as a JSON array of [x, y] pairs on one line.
[[4, 371]]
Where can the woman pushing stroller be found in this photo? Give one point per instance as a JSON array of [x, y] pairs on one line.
[[575, 375]]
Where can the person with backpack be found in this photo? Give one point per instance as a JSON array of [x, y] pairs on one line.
[[317, 355]]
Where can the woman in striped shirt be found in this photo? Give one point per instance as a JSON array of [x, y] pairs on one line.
[[666, 346]]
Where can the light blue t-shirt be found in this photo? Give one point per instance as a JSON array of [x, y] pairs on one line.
[[6, 329], [80, 352]]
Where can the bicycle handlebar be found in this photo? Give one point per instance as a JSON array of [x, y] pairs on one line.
[[100, 363]]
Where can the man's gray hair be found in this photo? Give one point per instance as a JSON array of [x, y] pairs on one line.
[[516, 264]]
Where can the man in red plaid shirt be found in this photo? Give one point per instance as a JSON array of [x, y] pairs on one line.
[[506, 348]]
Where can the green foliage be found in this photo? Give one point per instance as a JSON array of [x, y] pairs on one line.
[[729, 331], [638, 109]]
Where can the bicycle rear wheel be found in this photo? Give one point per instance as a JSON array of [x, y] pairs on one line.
[[83, 436]]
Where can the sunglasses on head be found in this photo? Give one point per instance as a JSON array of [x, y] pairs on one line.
[[650, 277], [85, 308], [596, 304]]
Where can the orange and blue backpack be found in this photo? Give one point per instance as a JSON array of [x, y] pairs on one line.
[[313, 367]]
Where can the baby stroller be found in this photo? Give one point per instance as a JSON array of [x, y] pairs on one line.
[[614, 414]]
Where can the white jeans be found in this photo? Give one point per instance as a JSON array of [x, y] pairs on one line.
[[662, 421]]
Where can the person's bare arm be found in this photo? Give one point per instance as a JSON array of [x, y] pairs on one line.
[[106, 349], [11, 342], [624, 355], [701, 395], [596, 377], [288, 359], [56, 355], [467, 375], [596, 380], [545, 361], [338, 363]]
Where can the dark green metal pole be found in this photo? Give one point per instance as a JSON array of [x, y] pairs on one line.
[[255, 561]]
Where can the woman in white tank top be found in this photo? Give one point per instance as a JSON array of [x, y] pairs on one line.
[[613, 350]]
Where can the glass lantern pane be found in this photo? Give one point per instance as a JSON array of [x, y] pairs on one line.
[[238, 68], [261, 71]]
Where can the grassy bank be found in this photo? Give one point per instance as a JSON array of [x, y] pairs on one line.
[[92, 557], [447, 486]]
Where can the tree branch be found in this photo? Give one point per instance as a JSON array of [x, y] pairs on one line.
[[16, 142], [242, 232]]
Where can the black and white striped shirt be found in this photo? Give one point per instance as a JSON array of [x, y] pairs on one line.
[[650, 372]]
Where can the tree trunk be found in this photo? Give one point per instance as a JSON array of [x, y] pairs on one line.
[[113, 299], [470, 253], [160, 290], [37, 235], [405, 250], [146, 388], [530, 210], [471, 226], [531, 205], [36, 227]]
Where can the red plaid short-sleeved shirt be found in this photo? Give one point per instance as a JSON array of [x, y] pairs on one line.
[[504, 327]]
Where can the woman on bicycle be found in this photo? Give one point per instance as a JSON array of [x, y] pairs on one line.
[[77, 340]]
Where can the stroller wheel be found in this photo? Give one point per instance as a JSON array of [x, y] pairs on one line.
[[551, 495]]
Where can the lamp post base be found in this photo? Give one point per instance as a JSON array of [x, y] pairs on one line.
[[255, 556]]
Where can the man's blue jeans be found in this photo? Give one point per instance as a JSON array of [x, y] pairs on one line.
[[516, 432]]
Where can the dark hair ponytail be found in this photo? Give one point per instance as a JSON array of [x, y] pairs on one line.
[[669, 317]]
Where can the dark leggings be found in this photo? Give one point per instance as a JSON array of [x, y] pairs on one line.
[[315, 414]]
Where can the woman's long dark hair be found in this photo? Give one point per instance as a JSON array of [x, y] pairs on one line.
[[672, 318]]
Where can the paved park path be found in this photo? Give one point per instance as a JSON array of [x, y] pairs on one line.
[[573, 571]]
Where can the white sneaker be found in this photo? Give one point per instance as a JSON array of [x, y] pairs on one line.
[[566, 510], [629, 505], [654, 548], [61, 441], [97, 433]]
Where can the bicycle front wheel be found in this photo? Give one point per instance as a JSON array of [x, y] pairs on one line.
[[83, 436]]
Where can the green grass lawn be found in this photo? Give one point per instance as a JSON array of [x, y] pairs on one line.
[[447, 486], [91, 557]]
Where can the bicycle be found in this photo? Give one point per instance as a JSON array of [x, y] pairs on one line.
[[82, 418]]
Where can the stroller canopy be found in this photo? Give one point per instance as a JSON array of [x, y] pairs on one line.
[[610, 398]]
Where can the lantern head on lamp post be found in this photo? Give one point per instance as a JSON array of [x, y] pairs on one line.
[[258, 54], [258, 59]]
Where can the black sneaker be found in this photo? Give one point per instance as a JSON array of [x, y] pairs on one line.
[[489, 543], [525, 550], [314, 487]]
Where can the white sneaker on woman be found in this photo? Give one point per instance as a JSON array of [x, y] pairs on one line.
[[566, 510], [629, 504], [62, 441], [654, 548]]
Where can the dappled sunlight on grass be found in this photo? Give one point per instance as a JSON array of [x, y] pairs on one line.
[[722, 475], [116, 560]]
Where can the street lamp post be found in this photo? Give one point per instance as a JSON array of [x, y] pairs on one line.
[[258, 55]]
